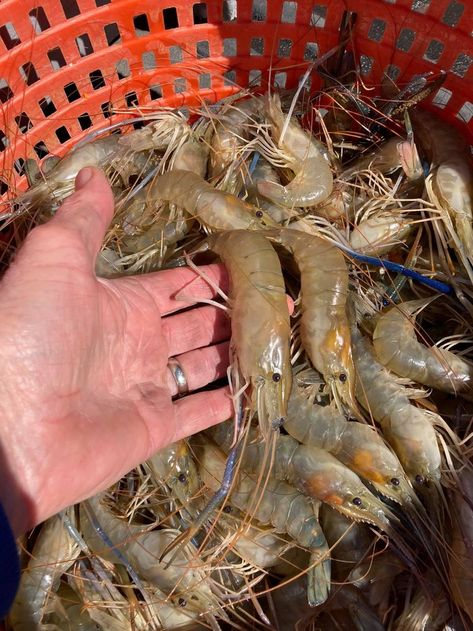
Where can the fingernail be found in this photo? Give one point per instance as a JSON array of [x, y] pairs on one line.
[[84, 176]]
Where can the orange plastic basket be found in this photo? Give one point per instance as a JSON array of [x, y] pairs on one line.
[[65, 65]]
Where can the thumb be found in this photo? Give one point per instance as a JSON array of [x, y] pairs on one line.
[[89, 210]]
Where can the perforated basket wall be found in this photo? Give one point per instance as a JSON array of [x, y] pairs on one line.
[[66, 65]]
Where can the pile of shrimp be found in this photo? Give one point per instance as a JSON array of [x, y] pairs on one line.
[[340, 493]]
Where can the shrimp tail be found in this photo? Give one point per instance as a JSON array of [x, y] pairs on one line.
[[318, 580]]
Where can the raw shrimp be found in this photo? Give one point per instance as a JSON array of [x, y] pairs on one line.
[[280, 505], [167, 129], [53, 554], [407, 428], [316, 473], [216, 210], [264, 171], [379, 233], [192, 156], [359, 446], [452, 174], [306, 157], [397, 348], [260, 321], [324, 329]]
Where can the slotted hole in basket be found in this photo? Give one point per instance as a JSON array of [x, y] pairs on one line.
[[199, 13], [179, 85], [3, 187], [155, 92], [24, 123], [366, 64], [141, 25], [170, 18], [289, 12], [405, 39], [19, 166], [70, 8], [149, 60], [205, 81], [71, 92], [434, 51], [259, 11], [462, 64], [442, 97], [112, 34], [420, 6], [175, 54], [319, 16], [9, 36], [131, 99], [40, 149], [255, 77], [4, 142], [229, 12], [5, 91], [202, 49], [123, 68], [230, 46], [84, 45], [285, 47], [377, 28], [229, 77], [106, 109], [63, 134], [47, 106], [56, 58], [29, 74], [280, 79], [84, 121], [96, 79], [101, 3], [453, 13], [465, 113], [39, 20], [257, 46], [311, 51], [392, 71]]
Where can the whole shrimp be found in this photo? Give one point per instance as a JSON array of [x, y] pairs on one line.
[[280, 505], [324, 328], [379, 233], [53, 554], [306, 157], [398, 349], [358, 445], [407, 428], [265, 172], [214, 209]]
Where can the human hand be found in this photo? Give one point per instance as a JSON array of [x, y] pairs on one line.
[[86, 394]]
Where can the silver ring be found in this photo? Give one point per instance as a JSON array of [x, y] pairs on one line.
[[179, 377]]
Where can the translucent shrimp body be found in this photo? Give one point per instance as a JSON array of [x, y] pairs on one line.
[[398, 349], [53, 554], [324, 329], [407, 428], [260, 320], [357, 445], [278, 504], [380, 233], [216, 210], [313, 180], [265, 172]]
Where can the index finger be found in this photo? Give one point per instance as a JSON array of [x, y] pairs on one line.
[[181, 287]]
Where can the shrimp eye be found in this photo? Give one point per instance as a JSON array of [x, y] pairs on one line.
[[259, 213], [227, 509], [357, 501], [182, 478], [182, 602], [276, 377], [420, 479], [395, 481], [342, 377]]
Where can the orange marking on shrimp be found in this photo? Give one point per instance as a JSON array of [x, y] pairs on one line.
[[363, 460], [316, 486]]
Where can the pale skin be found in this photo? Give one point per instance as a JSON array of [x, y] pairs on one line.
[[85, 393]]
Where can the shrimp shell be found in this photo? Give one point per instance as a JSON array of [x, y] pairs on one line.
[[397, 348]]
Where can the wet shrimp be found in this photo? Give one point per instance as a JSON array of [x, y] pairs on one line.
[[324, 329], [265, 172], [277, 503], [407, 428], [214, 209], [359, 446], [53, 554], [398, 349], [306, 157], [379, 233]]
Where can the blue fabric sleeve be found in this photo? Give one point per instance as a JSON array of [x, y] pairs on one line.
[[9, 565]]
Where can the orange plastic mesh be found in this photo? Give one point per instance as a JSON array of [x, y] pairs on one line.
[[65, 65]]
